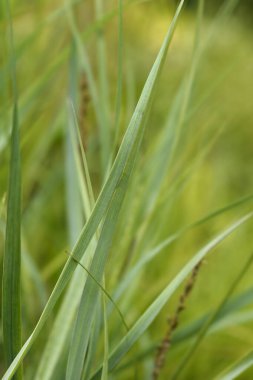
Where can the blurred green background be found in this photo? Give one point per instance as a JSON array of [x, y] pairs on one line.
[[212, 166]]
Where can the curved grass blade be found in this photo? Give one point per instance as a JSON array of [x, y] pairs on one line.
[[133, 134], [104, 291], [153, 310], [11, 291], [211, 319]]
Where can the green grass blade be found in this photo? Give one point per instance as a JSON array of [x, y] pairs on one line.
[[238, 368], [84, 175], [228, 317], [150, 314], [236, 303], [11, 290], [11, 303], [104, 291], [104, 375], [31, 271], [120, 76], [102, 71], [133, 134], [94, 338], [147, 257], [83, 186]]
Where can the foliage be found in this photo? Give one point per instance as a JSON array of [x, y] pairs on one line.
[[135, 168]]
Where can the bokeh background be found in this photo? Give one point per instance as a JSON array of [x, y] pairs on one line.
[[212, 166]]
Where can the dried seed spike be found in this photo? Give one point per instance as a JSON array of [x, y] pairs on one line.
[[83, 108], [173, 322]]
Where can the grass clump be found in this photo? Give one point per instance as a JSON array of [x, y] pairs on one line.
[[128, 167]]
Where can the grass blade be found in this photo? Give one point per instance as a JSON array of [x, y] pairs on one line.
[[236, 303], [94, 338], [11, 304], [236, 369], [228, 317], [148, 256], [102, 72], [106, 343], [150, 314], [11, 292], [120, 76], [105, 293]]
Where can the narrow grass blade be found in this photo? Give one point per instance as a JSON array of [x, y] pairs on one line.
[[11, 291], [238, 368], [105, 293], [94, 338], [236, 303], [211, 319], [84, 175], [104, 375], [11, 303], [102, 70], [150, 314], [232, 321], [147, 257], [120, 76], [33, 274]]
